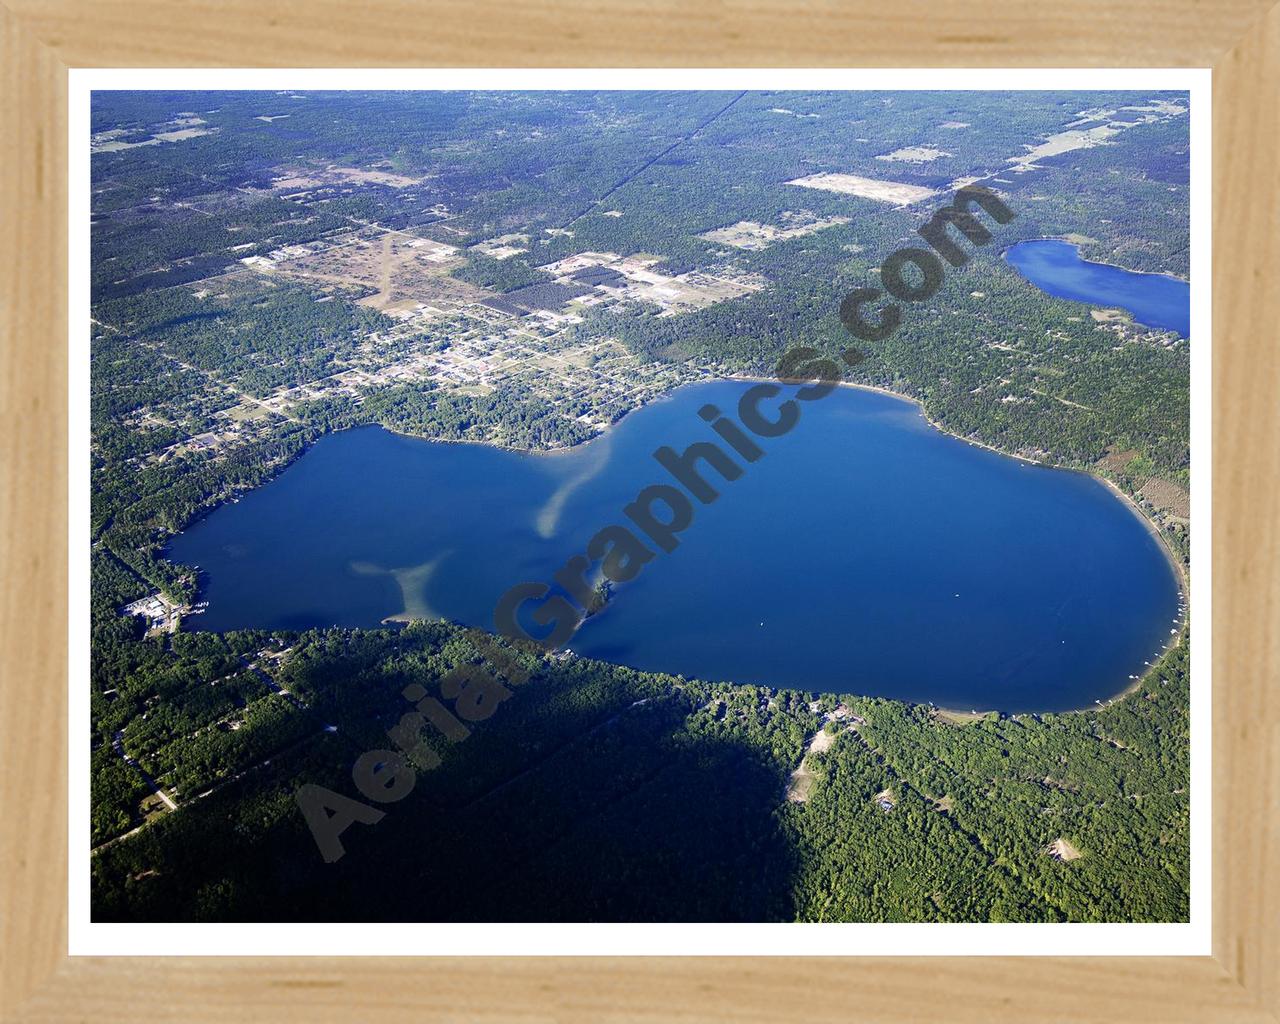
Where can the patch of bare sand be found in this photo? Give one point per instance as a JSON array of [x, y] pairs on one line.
[[1062, 850], [1062, 142], [802, 778], [958, 717], [914, 155], [748, 234], [894, 192]]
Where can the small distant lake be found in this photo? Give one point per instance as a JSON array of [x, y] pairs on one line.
[[866, 552], [1054, 266]]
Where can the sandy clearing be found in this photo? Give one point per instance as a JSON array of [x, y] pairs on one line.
[[895, 192], [914, 155], [1062, 142], [802, 777], [751, 235], [1062, 850]]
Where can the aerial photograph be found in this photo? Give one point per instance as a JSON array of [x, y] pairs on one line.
[[639, 506]]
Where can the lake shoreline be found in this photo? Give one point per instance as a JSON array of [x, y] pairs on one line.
[[1099, 263], [402, 618], [1180, 572], [1184, 583], [1157, 300], [1153, 530]]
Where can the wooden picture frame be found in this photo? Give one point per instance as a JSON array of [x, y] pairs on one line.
[[42, 39]]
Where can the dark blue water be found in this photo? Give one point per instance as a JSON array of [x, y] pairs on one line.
[[866, 552], [1156, 300]]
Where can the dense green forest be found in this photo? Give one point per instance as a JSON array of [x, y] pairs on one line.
[[599, 792]]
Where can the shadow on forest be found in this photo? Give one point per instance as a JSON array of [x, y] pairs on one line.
[[616, 814]]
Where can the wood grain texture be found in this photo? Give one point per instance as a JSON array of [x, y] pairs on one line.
[[1246, 543], [648, 991], [649, 33], [33, 511], [40, 38]]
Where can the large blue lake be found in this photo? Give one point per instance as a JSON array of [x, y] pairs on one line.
[[866, 552], [1054, 266]]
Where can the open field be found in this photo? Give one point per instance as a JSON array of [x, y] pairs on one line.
[[1075, 136], [334, 175], [403, 270], [179, 130], [748, 234], [914, 155], [1062, 142], [636, 279], [1166, 495], [503, 247], [868, 188]]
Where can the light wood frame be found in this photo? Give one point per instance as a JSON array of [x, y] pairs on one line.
[[41, 39]]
